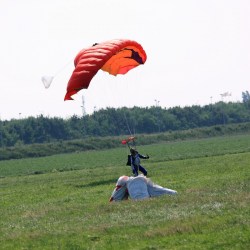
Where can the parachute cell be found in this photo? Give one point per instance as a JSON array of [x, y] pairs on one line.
[[114, 56]]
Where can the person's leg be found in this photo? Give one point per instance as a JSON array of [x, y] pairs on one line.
[[143, 170], [134, 170]]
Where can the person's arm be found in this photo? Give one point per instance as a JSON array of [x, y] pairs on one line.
[[143, 156]]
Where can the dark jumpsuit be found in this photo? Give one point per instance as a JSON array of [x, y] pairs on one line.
[[135, 164]]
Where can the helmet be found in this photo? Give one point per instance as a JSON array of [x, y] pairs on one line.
[[133, 151]]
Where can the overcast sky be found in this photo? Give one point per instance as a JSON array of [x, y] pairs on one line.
[[197, 50]]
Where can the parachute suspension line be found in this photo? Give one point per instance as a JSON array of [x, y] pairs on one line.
[[62, 68], [126, 120], [128, 127]]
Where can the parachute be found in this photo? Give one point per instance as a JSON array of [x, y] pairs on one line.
[[116, 56], [47, 80], [138, 188], [126, 141]]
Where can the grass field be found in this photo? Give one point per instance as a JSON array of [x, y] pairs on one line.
[[61, 201]]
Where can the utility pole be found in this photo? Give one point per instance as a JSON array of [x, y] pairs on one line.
[[158, 114], [226, 94], [157, 103], [83, 114], [83, 106]]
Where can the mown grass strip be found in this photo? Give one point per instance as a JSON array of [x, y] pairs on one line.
[[70, 209]]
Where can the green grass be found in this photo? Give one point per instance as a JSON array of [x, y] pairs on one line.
[[61, 202]]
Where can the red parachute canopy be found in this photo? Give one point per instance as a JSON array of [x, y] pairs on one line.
[[129, 139], [114, 56], [124, 142]]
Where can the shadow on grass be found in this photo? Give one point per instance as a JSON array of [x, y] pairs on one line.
[[97, 183]]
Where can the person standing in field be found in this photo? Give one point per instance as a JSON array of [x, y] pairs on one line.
[[135, 162]]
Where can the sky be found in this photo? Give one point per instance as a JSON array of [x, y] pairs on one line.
[[196, 51]]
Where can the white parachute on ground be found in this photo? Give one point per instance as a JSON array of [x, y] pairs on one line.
[[137, 188]]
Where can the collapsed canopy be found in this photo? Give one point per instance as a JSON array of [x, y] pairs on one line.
[[137, 188], [114, 56]]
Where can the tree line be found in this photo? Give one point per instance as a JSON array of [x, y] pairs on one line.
[[122, 121]]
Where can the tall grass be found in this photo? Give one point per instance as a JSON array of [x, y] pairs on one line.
[[61, 202]]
